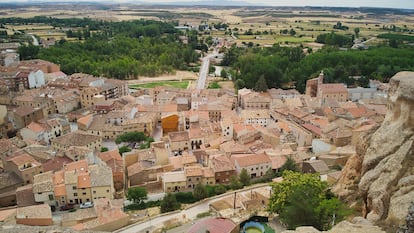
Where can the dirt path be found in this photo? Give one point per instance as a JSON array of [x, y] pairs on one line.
[[179, 75]]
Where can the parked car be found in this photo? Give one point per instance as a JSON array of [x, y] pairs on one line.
[[67, 207], [85, 205]]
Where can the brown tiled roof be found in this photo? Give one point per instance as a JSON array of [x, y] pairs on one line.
[[314, 129], [134, 168], [60, 190], [208, 172], [278, 161], [23, 111], [178, 136], [245, 160], [20, 160], [79, 166], [56, 163], [333, 88], [318, 165], [43, 182], [59, 178], [109, 155], [76, 139], [213, 225], [84, 180], [35, 127], [193, 171]]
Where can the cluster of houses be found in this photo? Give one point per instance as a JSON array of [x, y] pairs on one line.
[[53, 128]]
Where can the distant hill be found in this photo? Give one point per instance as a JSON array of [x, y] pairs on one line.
[[208, 3]]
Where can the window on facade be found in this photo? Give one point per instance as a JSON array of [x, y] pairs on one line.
[[51, 197], [74, 187], [75, 194], [39, 193], [107, 190], [94, 191], [83, 193]]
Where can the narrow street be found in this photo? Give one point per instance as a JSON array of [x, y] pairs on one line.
[[190, 213]]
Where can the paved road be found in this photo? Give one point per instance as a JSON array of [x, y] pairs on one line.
[[190, 213], [204, 69], [201, 82]]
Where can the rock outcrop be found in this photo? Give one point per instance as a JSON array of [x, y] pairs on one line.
[[357, 226], [386, 170]]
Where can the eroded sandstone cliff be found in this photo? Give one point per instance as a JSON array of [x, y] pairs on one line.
[[382, 174]]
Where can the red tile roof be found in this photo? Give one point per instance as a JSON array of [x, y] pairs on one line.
[[213, 225], [333, 88]]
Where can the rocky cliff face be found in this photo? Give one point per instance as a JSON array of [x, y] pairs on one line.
[[382, 175]]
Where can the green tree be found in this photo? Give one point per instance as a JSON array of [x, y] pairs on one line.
[[356, 30], [124, 149], [244, 177], [223, 74], [137, 195], [214, 85], [104, 149], [303, 199], [200, 192], [169, 203], [289, 165], [28, 52], [219, 189], [261, 84], [235, 183]]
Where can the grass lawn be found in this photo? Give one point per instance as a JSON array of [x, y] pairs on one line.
[[177, 84]]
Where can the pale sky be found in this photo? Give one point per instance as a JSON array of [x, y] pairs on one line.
[[407, 4]]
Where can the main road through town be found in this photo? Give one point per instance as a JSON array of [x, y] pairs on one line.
[[190, 213], [204, 69]]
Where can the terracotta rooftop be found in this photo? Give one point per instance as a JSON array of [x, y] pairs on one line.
[[245, 160], [60, 190], [178, 136], [23, 111], [312, 128], [134, 169], [35, 127], [108, 155], [56, 163], [193, 171], [213, 225], [221, 163], [177, 176], [278, 161], [24, 159], [79, 166], [333, 88], [84, 180], [76, 139], [208, 172]]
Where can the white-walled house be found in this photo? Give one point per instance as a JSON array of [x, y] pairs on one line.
[[36, 79]]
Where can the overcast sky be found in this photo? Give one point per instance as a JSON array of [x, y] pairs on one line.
[[407, 4]]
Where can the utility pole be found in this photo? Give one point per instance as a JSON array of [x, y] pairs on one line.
[[234, 203]]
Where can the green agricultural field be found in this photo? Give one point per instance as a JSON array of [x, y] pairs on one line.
[[177, 84]]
